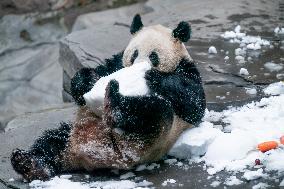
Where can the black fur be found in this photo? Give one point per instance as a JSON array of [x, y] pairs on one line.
[[136, 24], [183, 89], [142, 114], [182, 32], [84, 79], [134, 56], [44, 158], [50, 145], [154, 58]]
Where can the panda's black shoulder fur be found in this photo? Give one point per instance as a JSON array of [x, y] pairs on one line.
[[84, 79], [183, 88]]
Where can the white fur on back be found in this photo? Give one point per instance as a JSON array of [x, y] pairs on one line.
[[131, 83]]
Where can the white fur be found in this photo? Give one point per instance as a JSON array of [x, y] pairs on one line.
[[131, 83], [159, 39]]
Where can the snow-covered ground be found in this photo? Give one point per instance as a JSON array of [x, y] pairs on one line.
[[233, 146]]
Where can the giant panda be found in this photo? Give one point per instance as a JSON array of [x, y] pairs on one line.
[[133, 129]]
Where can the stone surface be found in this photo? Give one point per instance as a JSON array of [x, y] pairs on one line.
[[30, 79], [20, 31], [30, 76], [23, 130]]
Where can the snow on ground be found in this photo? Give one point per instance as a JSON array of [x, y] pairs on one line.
[[212, 50], [64, 183], [234, 147], [279, 30], [244, 71], [247, 44]]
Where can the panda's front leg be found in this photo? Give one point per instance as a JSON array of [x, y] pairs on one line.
[[185, 93], [141, 114]]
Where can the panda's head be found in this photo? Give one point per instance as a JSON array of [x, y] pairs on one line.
[[160, 46]]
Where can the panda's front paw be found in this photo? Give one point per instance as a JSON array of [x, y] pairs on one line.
[[154, 78]]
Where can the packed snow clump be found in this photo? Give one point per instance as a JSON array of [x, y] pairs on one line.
[[244, 71], [275, 88], [245, 41], [212, 50], [233, 147], [279, 30], [131, 83], [273, 67]]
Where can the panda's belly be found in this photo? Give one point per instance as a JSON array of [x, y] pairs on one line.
[[94, 145]]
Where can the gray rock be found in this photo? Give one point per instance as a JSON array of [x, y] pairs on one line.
[[23, 130], [30, 79], [19, 31]]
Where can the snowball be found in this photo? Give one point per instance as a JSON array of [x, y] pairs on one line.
[[239, 58], [212, 50], [127, 175], [275, 88], [170, 161], [253, 46], [252, 175], [240, 52], [194, 142], [65, 176], [171, 181], [233, 180], [251, 91], [244, 71], [273, 67], [215, 183], [260, 185], [131, 83], [279, 30], [238, 29]]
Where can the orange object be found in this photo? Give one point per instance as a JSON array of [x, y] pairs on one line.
[[282, 139], [266, 146]]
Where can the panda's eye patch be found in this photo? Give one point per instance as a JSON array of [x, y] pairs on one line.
[[154, 58], [134, 56]]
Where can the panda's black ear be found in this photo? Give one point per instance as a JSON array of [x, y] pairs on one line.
[[182, 31], [136, 24]]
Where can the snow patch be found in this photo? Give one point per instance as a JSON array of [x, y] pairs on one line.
[[171, 181], [275, 88], [252, 175], [273, 67], [212, 50], [233, 180], [244, 71], [194, 142]]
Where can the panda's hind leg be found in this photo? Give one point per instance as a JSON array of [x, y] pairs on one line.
[[140, 114], [28, 165], [44, 159]]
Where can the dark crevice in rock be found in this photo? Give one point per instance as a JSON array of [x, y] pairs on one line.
[[8, 185], [90, 56], [121, 24], [230, 74], [223, 83], [27, 46]]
